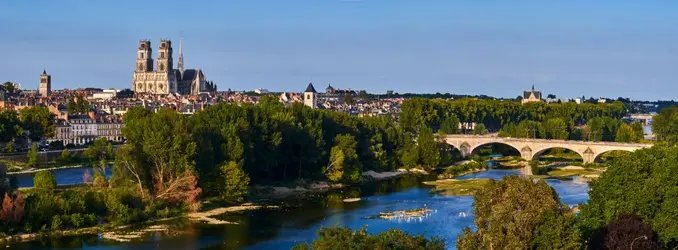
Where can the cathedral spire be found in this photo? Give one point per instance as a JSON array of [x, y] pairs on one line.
[[180, 64]]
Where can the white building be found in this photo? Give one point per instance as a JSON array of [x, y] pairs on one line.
[[311, 96], [261, 91], [105, 95], [82, 129]]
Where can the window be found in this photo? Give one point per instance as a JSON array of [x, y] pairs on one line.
[[162, 67], [162, 54]]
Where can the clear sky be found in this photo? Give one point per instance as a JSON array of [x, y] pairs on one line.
[[498, 48]]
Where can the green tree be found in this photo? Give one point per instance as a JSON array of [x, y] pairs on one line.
[[236, 184], [159, 146], [428, 149], [9, 148], [638, 130], [529, 129], [479, 129], [665, 125], [44, 180], [595, 129], [557, 230], [517, 213], [38, 121], [83, 105], [32, 156], [64, 158], [555, 128], [642, 182], [72, 106], [409, 156], [351, 168], [97, 153], [345, 238], [10, 125], [625, 133], [335, 169], [9, 87], [450, 125]]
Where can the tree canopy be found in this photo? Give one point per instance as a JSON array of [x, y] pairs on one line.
[[345, 238], [517, 213], [495, 114], [38, 121], [645, 183], [665, 125]]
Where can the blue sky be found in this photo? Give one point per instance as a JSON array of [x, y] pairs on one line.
[[499, 48]]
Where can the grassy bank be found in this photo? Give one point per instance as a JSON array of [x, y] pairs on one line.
[[454, 187]]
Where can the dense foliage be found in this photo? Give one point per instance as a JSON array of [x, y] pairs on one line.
[[78, 105], [38, 121], [517, 213], [345, 238], [645, 183], [275, 144], [495, 114], [665, 125], [158, 158]]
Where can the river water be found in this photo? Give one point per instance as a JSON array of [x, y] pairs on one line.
[[64, 176], [297, 219]]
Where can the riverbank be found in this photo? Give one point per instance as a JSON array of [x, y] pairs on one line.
[[36, 170], [279, 192]]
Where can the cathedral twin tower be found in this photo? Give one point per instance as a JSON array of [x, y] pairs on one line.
[[166, 79]]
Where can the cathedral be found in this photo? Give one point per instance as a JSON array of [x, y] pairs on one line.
[[165, 79]]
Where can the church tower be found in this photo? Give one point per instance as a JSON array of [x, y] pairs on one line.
[[45, 84], [180, 64], [165, 63], [144, 57], [311, 96]]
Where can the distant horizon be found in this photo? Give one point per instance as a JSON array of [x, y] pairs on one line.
[[394, 91], [607, 48]]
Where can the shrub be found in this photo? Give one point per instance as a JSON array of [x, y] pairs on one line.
[[56, 222], [77, 220], [465, 167], [44, 180]]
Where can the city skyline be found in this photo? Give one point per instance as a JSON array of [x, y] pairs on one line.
[[471, 48]]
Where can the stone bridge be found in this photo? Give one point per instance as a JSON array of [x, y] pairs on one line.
[[531, 148]]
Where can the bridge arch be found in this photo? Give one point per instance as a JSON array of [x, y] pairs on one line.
[[476, 148], [598, 155], [582, 155]]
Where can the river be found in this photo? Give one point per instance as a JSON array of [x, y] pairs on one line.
[[63, 176], [298, 218]]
